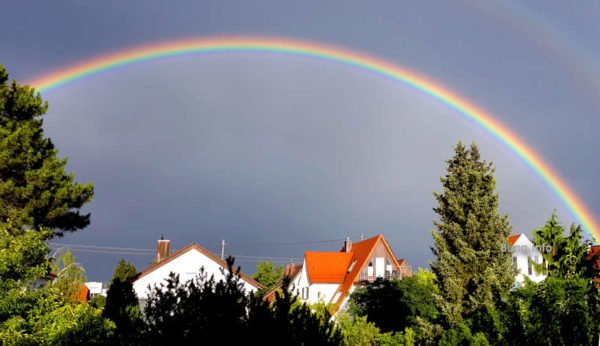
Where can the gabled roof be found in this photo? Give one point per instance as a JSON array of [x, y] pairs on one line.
[[192, 247], [291, 271], [595, 252], [327, 267], [513, 239], [361, 252]]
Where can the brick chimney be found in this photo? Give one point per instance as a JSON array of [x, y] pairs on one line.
[[162, 249], [347, 245]]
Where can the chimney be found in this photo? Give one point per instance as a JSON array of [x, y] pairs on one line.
[[162, 249], [347, 245]]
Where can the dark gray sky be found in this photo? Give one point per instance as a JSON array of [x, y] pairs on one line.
[[259, 148]]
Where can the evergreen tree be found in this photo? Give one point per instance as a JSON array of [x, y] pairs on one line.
[[35, 190], [124, 271], [569, 253], [122, 306], [470, 266]]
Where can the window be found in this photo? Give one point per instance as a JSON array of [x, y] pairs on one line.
[[305, 293], [529, 266]]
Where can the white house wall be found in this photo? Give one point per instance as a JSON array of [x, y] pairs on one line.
[[522, 250], [321, 292], [317, 292], [187, 266]]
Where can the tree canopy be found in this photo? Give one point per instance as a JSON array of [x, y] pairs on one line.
[[222, 312], [35, 189], [268, 274], [469, 235]]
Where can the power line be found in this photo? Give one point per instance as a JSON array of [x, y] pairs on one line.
[[114, 252], [293, 243], [122, 251], [228, 244], [100, 247], [82, 248]]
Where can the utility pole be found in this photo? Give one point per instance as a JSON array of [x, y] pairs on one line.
[[223, 243]]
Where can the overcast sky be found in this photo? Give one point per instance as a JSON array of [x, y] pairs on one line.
[[259, 148]]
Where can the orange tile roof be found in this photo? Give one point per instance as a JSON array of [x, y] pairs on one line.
[[513, 239], [595, 252], [291, 271], [327, 267], [361, 252]]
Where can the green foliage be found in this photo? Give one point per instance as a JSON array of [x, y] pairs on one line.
[[569, 256], [124, 271], [289, 322], [267, 274], [472, 270], [44, 316], [221, 313], [22, 256], [98, 302], [35, 190], [357, 331], [123, 309], [70, 276], [461, 334], [557, 311], [394, 305], [122, 306], [49, 321]]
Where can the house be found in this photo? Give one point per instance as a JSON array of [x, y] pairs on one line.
[[524, 255], [97, 288], [330, 277], [186, 263], [43, 281], [595, 253]]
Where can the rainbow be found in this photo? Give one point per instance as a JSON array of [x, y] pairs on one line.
[[334, 54]]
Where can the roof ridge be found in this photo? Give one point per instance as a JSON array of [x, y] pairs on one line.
[[152, 267]]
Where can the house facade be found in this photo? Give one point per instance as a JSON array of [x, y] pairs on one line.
[[524, 255], [594, 253], [186, 263], [330, 277]]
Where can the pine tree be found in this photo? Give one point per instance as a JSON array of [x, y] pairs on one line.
[[124, 271], [471, 267], [35, 190], [122, 306]]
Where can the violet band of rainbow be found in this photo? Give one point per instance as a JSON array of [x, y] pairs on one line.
[[393, 71]]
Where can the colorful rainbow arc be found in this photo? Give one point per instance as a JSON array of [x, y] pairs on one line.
[[338, 55]]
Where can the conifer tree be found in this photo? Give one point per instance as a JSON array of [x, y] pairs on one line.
[[472, 265], [35, 190], [569, 256], [122, 306]]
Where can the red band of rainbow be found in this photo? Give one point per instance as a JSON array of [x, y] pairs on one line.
[[381, 67]]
